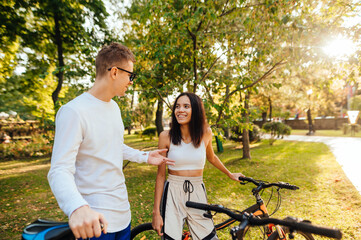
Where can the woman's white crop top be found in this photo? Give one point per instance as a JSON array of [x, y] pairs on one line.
[[186, 156]]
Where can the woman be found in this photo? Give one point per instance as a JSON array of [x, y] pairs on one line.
[[189, 143]]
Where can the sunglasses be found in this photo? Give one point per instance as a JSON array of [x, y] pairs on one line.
[[132, 75]]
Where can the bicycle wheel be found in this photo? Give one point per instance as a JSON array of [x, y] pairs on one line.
[[297, 236], [144, 231]]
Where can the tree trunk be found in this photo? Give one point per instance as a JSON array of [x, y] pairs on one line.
[[226, 129], [264, 118], [245, 133], [270, 108], [311, 130], [59, 44], [195, 63], [159, 117], [131, 108]]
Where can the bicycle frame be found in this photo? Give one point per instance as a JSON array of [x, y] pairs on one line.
[[258, 210]]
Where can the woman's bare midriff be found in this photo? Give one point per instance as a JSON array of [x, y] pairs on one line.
[[187, 173]]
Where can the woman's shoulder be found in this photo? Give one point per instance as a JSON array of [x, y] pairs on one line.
[[208, 131], [208, 134], [164, 139], [164, 136]]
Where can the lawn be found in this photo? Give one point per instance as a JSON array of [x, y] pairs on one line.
[[326, 133], [326, 196]]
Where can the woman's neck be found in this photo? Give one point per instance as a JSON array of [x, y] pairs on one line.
[[186, 136]]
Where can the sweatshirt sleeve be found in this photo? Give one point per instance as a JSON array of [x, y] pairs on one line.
[[67, 140], [134, 155]]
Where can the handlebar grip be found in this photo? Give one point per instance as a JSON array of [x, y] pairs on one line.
[[245, 179], [202, 206], [216, 208], [288, 186], [323, 231]]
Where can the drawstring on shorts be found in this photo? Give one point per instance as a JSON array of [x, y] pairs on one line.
[[188, 188]]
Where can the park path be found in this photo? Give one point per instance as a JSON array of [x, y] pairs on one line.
[[347, 151]]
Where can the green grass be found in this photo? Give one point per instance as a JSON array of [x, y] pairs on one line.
[[326, 133], [326, 196]]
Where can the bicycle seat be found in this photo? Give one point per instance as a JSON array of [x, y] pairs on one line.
[[44, 229]]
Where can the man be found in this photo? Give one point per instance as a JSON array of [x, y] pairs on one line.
[[86, 174]]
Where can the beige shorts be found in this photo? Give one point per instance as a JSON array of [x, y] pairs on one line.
[[177, 191]]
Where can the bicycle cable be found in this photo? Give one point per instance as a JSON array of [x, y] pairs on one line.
[[279, 201]]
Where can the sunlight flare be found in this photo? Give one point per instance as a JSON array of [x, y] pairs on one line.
[[340, 47]]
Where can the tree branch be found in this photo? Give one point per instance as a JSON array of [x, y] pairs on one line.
[[214, 62], [236, 8], [209, 94], [264, 76], [159, 94]]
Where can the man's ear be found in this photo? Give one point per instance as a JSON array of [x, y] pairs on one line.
[[113, 73]]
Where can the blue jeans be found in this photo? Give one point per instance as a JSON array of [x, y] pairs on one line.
[[121, 235]]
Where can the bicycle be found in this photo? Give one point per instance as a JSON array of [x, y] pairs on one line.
[[43, 229], [246, 219], [46, 229], [259, 209]]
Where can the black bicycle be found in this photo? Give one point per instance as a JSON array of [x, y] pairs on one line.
[[245, 219], [259, 210]]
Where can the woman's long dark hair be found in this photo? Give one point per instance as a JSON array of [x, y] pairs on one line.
[[197, 125]]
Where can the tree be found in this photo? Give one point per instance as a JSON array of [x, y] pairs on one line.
[[160, 52], [227, 49], [57, 36]]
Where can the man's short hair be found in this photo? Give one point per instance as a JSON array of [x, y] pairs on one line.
[[111, 55]]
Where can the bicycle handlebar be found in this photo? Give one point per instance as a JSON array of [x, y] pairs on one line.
[[267, 185], [293, 224]]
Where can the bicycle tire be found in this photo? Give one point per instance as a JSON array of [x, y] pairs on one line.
[[143, 231], [297, 236]]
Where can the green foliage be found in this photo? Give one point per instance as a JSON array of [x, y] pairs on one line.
[[355, 103], [150, 132], [143, 113], [254, 133], [37, 146], [277, 130], [56, 48], [126, 109], [348, 128], [219, 49]]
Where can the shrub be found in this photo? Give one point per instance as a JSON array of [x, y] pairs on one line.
[[38, 145], [254, 134], [345, 128], [150, 132], [277, 130], [348, 128]]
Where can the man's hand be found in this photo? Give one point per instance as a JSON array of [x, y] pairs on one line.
[[156, 158], [86, 223]]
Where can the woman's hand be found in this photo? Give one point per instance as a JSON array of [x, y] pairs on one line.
[[157, 223], [235, 176]]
